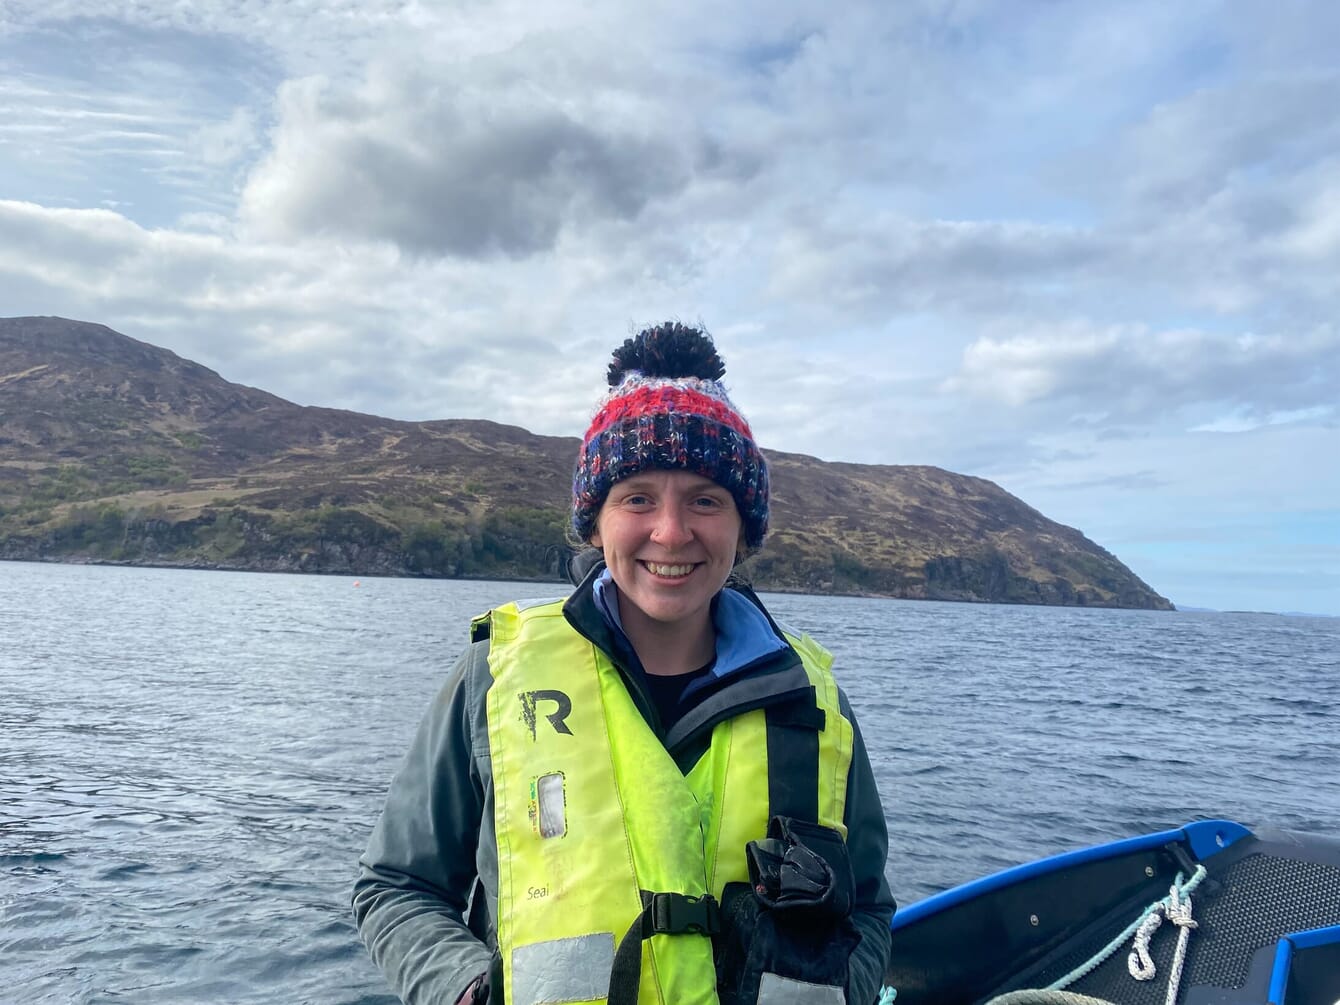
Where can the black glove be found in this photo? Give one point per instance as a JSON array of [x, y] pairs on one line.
[[486, 986], [792, 919], [802, 866]]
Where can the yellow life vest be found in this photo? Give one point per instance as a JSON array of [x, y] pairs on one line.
[[591, 810]]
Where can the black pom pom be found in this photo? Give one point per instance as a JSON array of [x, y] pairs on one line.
[[668, 350]]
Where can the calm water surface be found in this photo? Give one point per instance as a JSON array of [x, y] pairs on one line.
[[190, 762]]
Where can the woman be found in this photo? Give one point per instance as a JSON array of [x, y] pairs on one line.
[[649, 791]]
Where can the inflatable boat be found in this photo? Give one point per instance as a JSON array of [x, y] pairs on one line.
[[1208, 914]]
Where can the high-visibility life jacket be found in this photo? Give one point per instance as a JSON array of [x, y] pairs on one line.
[[591, 810]]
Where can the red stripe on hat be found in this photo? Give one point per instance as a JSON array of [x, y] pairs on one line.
[[662, 399]]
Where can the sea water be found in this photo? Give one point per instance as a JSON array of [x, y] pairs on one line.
[[191, 761]]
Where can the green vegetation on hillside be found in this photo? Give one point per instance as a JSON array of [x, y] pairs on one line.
[[112, 450]]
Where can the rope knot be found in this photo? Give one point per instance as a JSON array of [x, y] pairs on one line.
[[1178, 910], [1176, 907]]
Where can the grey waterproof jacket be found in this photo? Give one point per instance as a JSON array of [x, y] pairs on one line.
[[435, 840]]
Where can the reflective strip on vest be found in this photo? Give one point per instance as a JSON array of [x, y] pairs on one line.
[[775, 990], [563, 970], [590, 809]]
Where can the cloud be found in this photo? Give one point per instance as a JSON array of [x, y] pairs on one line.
[[356, 327], [152, 118], [495, 152], [1244, 420], [1137, 376], [888, 264], [1143, 482], [467, 172], [1188, 149], [227, 141], [101, 255]]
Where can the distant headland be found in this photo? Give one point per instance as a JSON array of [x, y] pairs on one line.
[[114, 450]]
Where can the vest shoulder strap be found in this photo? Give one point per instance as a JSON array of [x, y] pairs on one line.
[[795, 736], [793, 730]]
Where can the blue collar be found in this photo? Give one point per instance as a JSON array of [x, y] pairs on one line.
[[744, 634]]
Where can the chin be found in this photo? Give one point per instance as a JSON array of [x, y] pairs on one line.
[[678, 609]]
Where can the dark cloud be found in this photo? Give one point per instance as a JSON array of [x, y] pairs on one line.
[[441, 166]]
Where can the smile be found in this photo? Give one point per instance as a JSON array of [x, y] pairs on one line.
[[668, 571]]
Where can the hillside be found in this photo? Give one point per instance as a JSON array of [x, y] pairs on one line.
[[113, 450]]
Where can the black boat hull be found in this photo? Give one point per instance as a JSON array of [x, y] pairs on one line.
[[1267, 915]]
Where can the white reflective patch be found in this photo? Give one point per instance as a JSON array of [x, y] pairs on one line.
[[525, 605], [564, 970], [775, 990], [551, 814]]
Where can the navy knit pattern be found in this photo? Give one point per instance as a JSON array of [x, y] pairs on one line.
[[669, 441]]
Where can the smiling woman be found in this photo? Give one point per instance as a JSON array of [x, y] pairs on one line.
[[653, 756]]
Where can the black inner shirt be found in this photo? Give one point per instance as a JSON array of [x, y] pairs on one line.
[[667, 693]]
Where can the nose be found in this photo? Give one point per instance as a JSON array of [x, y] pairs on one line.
[[671, 529]]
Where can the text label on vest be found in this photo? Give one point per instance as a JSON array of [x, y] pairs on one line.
[[529, 700]]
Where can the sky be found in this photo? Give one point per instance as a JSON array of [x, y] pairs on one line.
[[1087, 251]]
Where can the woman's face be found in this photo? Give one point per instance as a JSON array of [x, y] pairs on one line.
[[670, 539]]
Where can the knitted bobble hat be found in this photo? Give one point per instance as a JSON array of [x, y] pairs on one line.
[[667, 410]]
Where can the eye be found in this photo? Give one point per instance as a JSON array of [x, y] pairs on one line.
[[708, 502], [636, 499]]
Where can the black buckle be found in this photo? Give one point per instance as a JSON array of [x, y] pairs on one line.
[[675, 914]]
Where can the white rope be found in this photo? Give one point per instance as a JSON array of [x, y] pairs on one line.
[[1140, 963], [1177, 910], [1173, 906], [1046, 996], [1084, 969]]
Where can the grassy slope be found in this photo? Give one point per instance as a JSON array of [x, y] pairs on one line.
[[114, 450]]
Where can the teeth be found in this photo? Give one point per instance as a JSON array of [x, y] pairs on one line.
[[669, 570]]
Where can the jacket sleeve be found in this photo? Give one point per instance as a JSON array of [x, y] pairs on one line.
[[416, 876], [868, 846]]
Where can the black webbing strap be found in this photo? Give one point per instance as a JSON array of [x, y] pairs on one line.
[[793, 758], [662, 914]]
